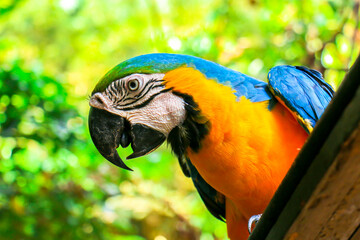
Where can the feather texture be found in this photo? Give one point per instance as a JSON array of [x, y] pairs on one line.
[[242, 84], [234, 142], [303, 91]]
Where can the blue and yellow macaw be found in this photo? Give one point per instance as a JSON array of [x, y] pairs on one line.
[[235, 136]]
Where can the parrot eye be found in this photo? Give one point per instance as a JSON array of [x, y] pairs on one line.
[[133, 84]]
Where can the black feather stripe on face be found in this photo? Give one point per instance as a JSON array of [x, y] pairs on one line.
[[125, 99]]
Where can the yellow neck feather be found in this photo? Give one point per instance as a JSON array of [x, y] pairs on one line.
[[217, 102], [246, 142]]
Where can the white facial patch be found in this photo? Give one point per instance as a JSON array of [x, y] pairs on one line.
[[142, 99], [163, 113]]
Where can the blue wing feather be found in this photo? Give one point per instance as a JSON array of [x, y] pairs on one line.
[[303, 91]]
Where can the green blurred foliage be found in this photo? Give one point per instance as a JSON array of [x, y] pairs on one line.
[[53, 183]]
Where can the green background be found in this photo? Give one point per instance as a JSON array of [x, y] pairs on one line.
[[53, 182]]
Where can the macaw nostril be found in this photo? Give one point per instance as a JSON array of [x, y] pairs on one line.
[[98, 101]]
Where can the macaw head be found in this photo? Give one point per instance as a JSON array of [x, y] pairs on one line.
[[151, 98], [132, 104]]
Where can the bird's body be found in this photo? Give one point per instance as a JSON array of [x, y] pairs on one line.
[[235, 136], [243, 156]]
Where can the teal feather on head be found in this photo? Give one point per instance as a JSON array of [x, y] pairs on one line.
[[146, 64], [251, 88]]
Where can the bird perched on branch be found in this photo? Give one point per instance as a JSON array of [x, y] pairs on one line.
[[235, 136]]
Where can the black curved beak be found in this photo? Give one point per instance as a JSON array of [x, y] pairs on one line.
[[108, 131]]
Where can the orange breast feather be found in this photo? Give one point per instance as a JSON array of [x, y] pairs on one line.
[[249, 149]]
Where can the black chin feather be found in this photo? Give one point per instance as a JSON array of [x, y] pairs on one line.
[[190, 133]]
